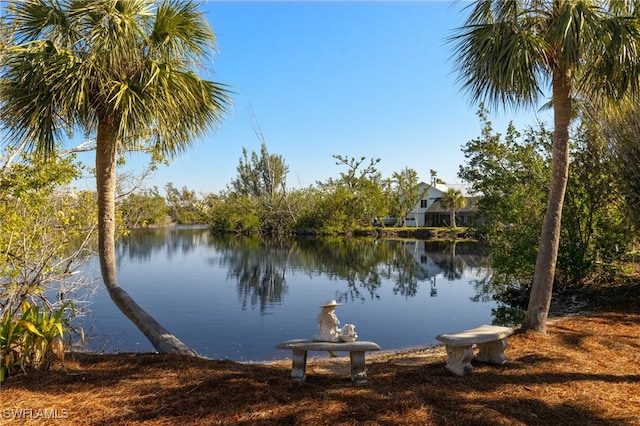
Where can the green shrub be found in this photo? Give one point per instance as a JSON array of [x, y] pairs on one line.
[[32, 337]]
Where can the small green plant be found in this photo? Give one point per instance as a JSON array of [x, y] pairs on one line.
[[10, 345], [32, 337]]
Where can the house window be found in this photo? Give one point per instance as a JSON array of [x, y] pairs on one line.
[[423, 204]]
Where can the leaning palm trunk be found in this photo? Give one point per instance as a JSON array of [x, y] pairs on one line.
[[160, 338], [542, 288]]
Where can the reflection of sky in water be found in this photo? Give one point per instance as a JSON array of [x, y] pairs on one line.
[[185, 282]]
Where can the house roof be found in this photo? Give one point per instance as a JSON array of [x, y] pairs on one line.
[[440, 187], [471, 206], [464, 188]]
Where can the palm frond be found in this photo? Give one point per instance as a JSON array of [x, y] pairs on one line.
[[35, 97], [40, 19], [507, 51], [181, 31], [615, 66], [130, 63], [500, 61]]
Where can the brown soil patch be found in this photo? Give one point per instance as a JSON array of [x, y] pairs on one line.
[[585, 372]]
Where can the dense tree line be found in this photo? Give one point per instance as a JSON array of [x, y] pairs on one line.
[[512, 171], [258, 200]]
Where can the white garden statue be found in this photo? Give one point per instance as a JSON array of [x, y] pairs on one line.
[[348, 333], [328, 325]]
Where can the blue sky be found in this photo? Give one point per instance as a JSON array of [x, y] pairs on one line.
[[322, 78]]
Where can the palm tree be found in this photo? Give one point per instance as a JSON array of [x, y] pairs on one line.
[[509, 52], [453, 201], [124, 71]]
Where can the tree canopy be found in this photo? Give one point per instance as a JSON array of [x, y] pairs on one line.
[[124, 71], [514, 52]]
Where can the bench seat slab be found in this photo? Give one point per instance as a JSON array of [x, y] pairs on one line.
[[485, 333], [320, 346]]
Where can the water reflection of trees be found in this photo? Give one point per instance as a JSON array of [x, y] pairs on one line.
[[142, 245], [355, 261], [404, 269], [260, 265]]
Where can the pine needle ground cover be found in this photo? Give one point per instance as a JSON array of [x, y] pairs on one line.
[[586, 371]]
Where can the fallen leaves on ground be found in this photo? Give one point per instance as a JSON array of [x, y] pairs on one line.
[[586, 371]]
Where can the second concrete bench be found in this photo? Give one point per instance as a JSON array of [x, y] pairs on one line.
[[491, 341]]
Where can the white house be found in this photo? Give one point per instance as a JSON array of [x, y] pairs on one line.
[[429, 212], [432, 193]]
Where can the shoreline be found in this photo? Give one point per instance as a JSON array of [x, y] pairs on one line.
[[581, 372], [560, 309]]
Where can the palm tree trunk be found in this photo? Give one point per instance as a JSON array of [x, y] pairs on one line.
[[106, 150], [542, 287]]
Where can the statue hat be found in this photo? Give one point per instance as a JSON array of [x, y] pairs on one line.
[[330, 303]]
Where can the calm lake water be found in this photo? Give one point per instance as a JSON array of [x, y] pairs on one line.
[[237, 297]]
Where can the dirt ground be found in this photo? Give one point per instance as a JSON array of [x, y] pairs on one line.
[[586, 371]]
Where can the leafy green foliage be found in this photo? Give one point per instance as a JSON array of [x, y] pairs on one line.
[[596, 226], [406, 192], [512, 172], [512, 175], [621, 129], [257, 201], [46, 233], [183, 206], [235, 213], [32, 336], [262, 176], [353, 200], [258, 195], [143, 209]]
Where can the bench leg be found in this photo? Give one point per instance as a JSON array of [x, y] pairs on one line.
[[299, 365], [358, 368], [493, 352], [459, 359]]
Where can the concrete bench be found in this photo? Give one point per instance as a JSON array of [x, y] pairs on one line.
[[356, 352], [491, 341]]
